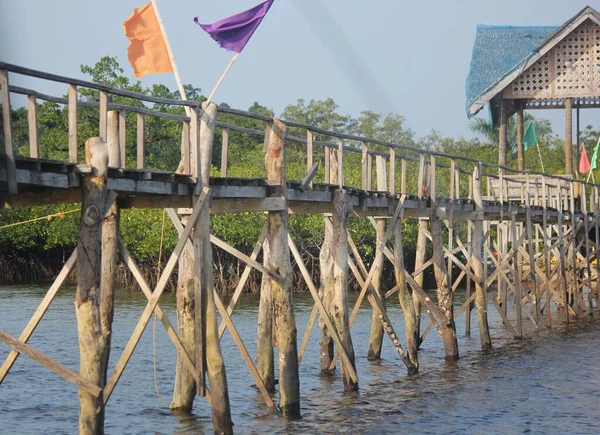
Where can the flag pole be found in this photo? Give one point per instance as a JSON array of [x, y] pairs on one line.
[[537, 145], [171, 56], [214, 91]]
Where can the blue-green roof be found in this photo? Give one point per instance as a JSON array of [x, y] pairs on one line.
[[497, 51]]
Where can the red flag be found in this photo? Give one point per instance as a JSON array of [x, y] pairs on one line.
[[584, 163]]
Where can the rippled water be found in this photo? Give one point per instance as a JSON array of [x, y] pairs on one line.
[[547, 383]]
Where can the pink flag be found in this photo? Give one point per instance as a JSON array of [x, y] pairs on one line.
[[584, 163]]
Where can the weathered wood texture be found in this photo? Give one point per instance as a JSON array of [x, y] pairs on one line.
[[283, 312], [92, 340]]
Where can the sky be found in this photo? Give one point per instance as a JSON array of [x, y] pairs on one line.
[[410, 58]]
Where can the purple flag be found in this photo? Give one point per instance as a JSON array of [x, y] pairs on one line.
[[233, 33]]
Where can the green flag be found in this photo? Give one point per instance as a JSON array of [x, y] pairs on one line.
[[530, 138], [595, 156]]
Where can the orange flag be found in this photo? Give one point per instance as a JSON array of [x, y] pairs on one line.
[[147, 52]]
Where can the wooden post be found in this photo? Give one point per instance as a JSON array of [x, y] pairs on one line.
[[110, 237], [376, 338], [73, 123], [92, 343], [326, 291], [224, 153], [34, 142], [309, 154], [123, 138], [285, 323], [502, 134], [405, 297], [140, 141], [265, 363], [444, 291], [338, 310], [365, 172], [477, 259], [569, 136], [392, 185], [184, 390], [421, 249], [520, 134], [103, 114], [9, 150], [215, 366], [516, 275]]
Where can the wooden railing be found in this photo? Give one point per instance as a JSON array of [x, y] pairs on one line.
[[384, 166]]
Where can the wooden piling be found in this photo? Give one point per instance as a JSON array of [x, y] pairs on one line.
[[405, 297], [110, 237], [279, 260], [215, 366], [265, 363], [338, 310], [92, 343], [326, 263], [477, 259]]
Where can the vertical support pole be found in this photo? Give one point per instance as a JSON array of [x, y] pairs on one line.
[[186, 147], [532, 262], [188, 291], [140, 142], [405, 297], [34, 142], [215, 366], [376, 337], [365, 173], [9, 149], [103, 114], [547, 233], [110, 237], [403, 177], [516, 276], [309, 154], [569, 136], [277, 235], [477, 259], [340, 164], [72, 124], [597, 240], [327, 262], [520, 134], [123, 137], [92, 343], [421, 249], [327, 151], [224, 152], [392, 186], [338, 310], [502, 133], [444, 291], [562, 259]]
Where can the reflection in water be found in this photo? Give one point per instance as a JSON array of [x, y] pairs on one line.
[[544, 384]]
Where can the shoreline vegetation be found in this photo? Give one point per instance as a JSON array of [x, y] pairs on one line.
[[36, 251]]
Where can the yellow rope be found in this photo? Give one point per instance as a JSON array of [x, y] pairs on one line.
[[50, 216]]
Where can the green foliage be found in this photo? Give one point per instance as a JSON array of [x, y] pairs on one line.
[[143, 230]]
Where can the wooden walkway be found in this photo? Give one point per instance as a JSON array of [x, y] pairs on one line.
[[523, 242]]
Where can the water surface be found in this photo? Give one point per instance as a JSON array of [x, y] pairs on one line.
[[547, 383]]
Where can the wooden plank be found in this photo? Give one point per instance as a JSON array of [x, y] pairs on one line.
[[381, 174], [340, 164], [140, 142], [9, 149], [224, 152], [403, 177], [392, 184], [327, 152], [160, 287], [51, 364], [39, 313], [365, 167], [34, 141], [245, 205]]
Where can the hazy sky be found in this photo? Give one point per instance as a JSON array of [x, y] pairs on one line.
[[410, 58]]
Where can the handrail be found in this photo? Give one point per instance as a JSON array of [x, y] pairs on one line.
[[344, 136]]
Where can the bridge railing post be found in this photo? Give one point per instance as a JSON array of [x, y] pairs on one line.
[[32, 120], [9, 149]]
